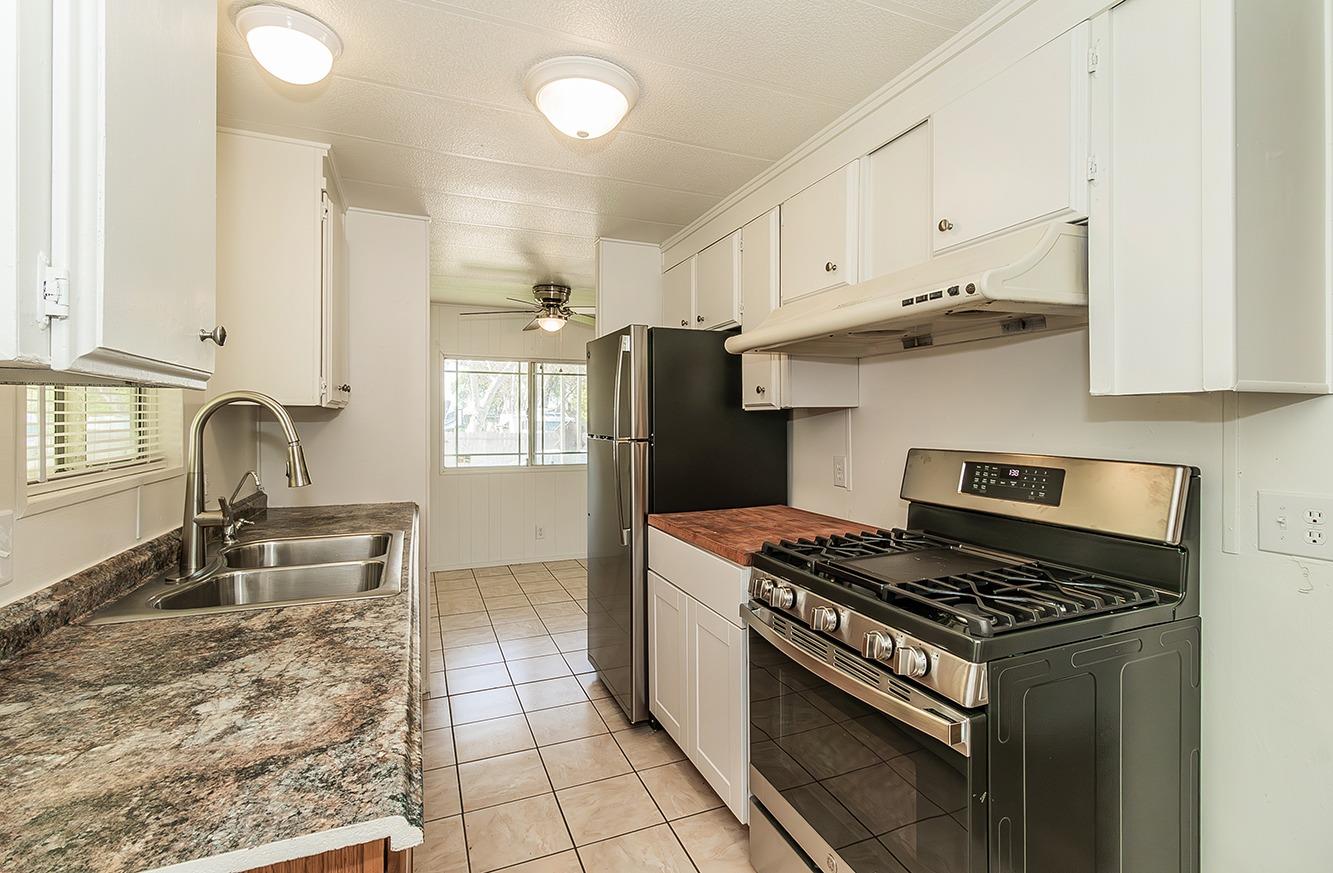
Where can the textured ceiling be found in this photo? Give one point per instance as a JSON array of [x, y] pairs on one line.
[[426, 113]]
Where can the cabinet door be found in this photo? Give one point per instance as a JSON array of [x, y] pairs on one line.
[[335, 378], [819, 235], [897, 226], [718, 284], [133, 186], [717, 740], [678, 295], [760, 388], [668, 671], [1014, 150]]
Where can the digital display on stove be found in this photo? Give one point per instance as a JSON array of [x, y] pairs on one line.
[[1013, 482]]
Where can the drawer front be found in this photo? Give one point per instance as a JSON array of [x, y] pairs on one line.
[[715, 582]]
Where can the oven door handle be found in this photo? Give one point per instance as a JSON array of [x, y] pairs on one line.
[[953, 732]]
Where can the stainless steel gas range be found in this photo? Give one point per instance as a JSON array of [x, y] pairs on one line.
[[1010, 683]]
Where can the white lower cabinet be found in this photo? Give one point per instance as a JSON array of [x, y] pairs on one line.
[[697, 662]]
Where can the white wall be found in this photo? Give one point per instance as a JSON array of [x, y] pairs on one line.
[[482, 518], [1266, 711], [50, 545], [375, 449]]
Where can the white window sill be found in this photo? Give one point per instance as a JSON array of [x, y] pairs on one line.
[[536, 468], [58, 498]]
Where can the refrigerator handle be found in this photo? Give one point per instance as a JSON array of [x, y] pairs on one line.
[[615, 441]]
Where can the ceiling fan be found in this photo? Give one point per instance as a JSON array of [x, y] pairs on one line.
[[549, 308]]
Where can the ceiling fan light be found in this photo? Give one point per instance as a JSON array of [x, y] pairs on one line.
[[550, 323], [582, 97], [295, 47]]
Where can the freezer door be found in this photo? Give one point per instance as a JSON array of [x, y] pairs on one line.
[[618, 384], [617, 571]]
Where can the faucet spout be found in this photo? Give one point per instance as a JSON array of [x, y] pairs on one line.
[[192, 560]]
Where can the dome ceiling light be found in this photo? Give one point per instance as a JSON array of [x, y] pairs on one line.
[[293, 46], [582, 97]]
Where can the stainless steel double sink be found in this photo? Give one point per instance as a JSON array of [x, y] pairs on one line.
[[272, 572]]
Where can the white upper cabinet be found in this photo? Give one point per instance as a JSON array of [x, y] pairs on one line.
[[717, 277], [678, 295], [1014, 149], [820, 239], [897, 229], [282, 271], [115, 117]]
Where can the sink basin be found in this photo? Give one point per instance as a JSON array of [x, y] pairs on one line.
[[270, 573], [300, 551], [277, 585]]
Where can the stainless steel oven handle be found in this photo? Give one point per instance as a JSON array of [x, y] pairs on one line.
[[953, 733]]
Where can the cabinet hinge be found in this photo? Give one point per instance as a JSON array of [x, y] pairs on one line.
[[1093, 59], [55, 292], [1093, 169]]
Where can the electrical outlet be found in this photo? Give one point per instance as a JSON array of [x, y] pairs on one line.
[[1295, 524], [839, 471], [541, 532]]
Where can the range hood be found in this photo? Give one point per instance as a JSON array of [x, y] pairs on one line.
[[1025, 281]]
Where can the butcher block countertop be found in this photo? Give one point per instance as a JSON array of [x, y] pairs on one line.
[[736, 534]]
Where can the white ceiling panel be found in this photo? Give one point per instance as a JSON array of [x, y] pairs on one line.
[[426, 113]]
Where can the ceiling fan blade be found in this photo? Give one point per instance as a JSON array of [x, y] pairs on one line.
[[531, 325], [583, 319], [501, 312], [583, 310], [523, 302]]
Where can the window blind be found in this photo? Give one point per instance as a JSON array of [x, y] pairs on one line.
[[93, 431]]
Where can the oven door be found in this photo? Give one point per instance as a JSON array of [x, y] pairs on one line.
[[865, 773]]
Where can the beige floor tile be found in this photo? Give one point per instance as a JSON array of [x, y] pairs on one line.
[[576, 590], [550, 693], [562, 624], [467, 636], [504, 601], [499, 586], [493, 781], [482, 572], [715, 841], [508, 614], [571, 642], [564, 723], [436, 685], [679, 790], [600, 810], [565, 862], [528, 647], [558, 609], [497, 736], [611, 713], [461, 620], [585, 760], [564, 577], [446, 575], [478, 678], [646, 747], [515, 832], [433, 641], [440, 794], [570, 564], [437, 748], [473, 656], [435, 661], [578, 662], [435, 712], [655, 850], [534, 573], [553, 595], [526, 568], [459, 602], [455, 585], [583, 604], [483, 705], [536, 586], [444, 849], [592, 686], [536, 669], [514, 630]]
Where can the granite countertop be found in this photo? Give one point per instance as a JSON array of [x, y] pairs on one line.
[[736, 534], [221, 742]]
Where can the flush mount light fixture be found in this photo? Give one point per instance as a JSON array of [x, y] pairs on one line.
[[550, 323], [293, 46], [582, 97]]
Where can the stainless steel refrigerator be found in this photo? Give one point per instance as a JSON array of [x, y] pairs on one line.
[[666, 433]]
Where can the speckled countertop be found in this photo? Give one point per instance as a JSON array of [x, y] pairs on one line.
[[218, 743]]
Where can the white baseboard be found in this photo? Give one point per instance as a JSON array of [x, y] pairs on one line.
[[577, 556]]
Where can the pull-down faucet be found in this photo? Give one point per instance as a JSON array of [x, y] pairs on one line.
[[192, 562]]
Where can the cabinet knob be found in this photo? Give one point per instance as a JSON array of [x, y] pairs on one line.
[[830, 267], [945, 225], [759, 389], [684, 323], [217, 335], [345, 388], [699, 318]]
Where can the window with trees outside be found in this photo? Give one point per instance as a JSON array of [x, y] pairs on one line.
[[513, 413], [78, 434]]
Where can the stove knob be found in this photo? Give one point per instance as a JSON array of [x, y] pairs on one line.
[[782, 597], [761, 588], [877, 646], [911, 662], [824, 618]]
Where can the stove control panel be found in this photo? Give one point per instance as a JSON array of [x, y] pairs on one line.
[[1021, 482]]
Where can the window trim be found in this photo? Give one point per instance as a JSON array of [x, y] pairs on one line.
[[443, 470]]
